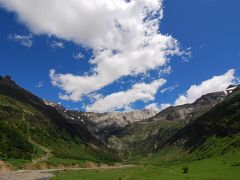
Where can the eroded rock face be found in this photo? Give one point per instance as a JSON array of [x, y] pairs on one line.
[[102, 125], [122, 119], [102, 120], [187, 112]]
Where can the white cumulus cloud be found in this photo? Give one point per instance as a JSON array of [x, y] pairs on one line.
[[152, 106], [216, 83], [139, 92], [124, 36]]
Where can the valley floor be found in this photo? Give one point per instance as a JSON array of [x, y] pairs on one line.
[[48, 173], [221, 168], [225, 167]]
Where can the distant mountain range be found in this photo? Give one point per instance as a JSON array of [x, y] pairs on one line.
[[114, 136]]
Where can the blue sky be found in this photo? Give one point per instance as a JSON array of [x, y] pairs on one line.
[[208, 29]]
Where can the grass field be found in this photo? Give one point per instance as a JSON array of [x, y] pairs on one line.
[[220, 168]]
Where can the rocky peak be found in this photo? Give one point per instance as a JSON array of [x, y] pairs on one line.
[[122, 119], [210, 98], [8, 78], [57, 106], [7, 81], [188, 111], [50, 103]]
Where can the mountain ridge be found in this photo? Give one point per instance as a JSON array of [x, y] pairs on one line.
[[146, 134], [98, 136]]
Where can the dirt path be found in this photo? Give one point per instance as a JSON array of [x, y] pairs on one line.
[[27, 175], [7, 174], [44, 157], [48, 173]]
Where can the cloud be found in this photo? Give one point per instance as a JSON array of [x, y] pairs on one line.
[[39, 84], [152, 106], [124, 36], [56, 44], [169, 89], [237, 81], [165, 70], [216, 83], [139, 92], [78, 56], [24, 40]]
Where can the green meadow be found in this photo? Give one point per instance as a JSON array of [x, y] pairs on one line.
[[218, 168]]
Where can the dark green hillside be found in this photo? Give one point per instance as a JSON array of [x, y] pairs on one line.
[[215, 133], [221, 121], [24, 118], [141, 139]]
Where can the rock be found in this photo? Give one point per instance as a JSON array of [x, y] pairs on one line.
[[4, 168]]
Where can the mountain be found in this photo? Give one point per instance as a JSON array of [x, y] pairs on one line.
[[101, 125], [145, 136], [221, 121], [214, 133], [141, 132], [121, 119], [26, 121], [31, 127]]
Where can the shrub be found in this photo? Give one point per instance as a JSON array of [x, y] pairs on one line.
[[185, 169]]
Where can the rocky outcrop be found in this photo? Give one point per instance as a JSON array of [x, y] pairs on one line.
[[121, 119], [187, 112], [102, 125]]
